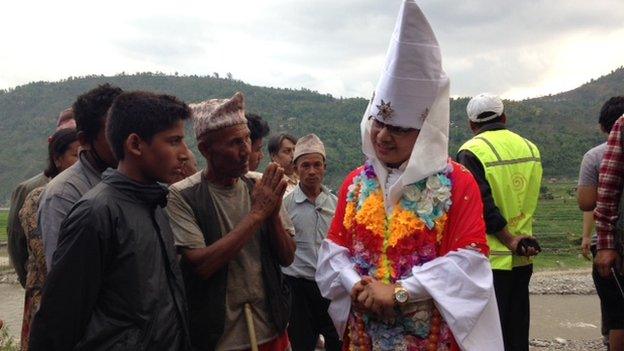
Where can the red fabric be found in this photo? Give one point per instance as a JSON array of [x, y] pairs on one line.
[[465, 226], [337, 232], [281, 343], [610, 183]]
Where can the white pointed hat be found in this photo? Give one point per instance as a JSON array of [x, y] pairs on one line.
[[413, 92], [412, 77]]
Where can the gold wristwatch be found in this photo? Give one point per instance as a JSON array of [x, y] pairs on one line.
[[400, 295]]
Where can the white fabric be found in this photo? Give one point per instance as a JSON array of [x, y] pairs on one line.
[[413, 71], [484, 102], [460, 284], [429, 156], [336, 276], [412, 78]]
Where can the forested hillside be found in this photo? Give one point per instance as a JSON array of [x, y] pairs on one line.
[[564, 126]]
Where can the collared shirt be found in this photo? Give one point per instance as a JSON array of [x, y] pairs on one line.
[[610, 183], [311, 221], [59, 197], [494, 220]]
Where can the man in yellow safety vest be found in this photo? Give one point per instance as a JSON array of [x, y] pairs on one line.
[[508, 169]]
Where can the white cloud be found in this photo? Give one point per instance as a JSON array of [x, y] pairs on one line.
[[515, 48]]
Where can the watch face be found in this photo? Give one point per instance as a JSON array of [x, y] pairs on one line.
[[401, 296]]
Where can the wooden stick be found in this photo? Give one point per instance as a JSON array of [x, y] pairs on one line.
[[250, 327]]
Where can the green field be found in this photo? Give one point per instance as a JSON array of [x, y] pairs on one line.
[[558, 227], [3, 222]]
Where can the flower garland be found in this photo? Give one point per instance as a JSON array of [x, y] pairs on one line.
[[387, 247]]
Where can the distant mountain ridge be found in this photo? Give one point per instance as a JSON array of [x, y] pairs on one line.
[[562, 125]]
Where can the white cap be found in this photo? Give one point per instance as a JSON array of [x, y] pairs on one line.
[[484, 102], [309, 144], [413, 77]]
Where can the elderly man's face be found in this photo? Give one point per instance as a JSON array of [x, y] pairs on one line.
[[227, 150], [393, 145]]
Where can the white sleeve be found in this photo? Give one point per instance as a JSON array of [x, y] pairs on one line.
[[336, 277], [461, 285]]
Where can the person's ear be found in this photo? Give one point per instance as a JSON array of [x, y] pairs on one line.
[[83, 140], [204, 148], [134, 145]]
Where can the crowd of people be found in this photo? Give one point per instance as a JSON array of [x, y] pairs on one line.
[[123, 244]]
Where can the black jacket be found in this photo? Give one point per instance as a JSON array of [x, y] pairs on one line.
[[115, 283]]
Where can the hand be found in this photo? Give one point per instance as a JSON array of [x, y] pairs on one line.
[[585, 247], [378, 298], [514, 243], [267, 193], [605, 259], [358, 289]]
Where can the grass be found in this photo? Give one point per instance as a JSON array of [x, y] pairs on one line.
[[558, 225], [3, 223]]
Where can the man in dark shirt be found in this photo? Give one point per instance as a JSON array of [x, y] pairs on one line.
[[115, 283], [508, 170]]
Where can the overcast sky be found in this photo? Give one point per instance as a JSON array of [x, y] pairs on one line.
[[514, 48]]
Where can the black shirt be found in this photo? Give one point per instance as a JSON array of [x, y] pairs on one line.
[[494, 220]]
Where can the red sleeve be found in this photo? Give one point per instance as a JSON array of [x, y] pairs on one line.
[[337, 232], [465, 226]]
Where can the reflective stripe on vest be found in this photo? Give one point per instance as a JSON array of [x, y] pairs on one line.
[[513, 170]]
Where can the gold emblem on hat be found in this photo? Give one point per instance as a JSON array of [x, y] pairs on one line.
[[385, 110]]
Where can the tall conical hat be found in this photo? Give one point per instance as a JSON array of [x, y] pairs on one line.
[[413, 92]]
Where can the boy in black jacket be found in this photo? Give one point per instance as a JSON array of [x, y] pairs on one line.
[[115, 282]]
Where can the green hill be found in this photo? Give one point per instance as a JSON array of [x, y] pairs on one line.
[[562, 125]]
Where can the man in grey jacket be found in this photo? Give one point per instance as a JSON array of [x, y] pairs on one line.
[[69, 186]]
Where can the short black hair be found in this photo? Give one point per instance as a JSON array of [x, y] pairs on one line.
[[144, 114], [487, 114], [258, 127], [276, 141], [91, 107], [57, 146], [610, 112]]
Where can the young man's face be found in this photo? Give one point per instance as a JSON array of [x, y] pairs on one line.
[[392, 147], [284, 156], [227, 151], [256, 154], [163, 159], [311, 170]]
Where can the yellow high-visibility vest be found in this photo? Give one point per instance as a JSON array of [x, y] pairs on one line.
[[513, 170]]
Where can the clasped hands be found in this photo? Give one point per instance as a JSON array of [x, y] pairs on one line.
[[374, 297], [266, 198]]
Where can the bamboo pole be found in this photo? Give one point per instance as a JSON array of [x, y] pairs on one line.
[[250, 328]]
